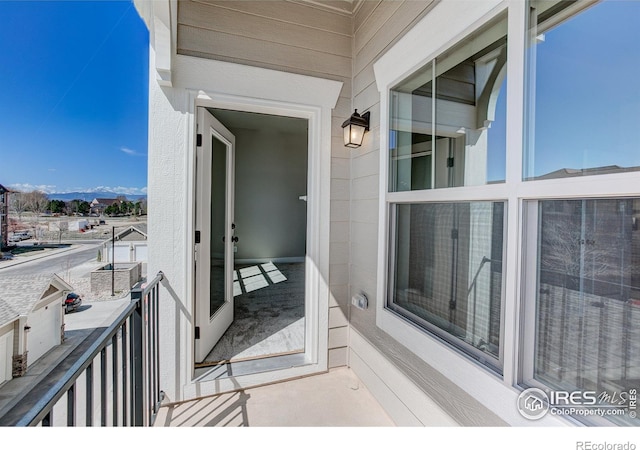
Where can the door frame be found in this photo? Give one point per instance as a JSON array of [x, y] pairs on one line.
[[280, 94]]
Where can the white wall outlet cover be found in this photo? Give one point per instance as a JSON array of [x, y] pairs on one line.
[[360, 301]]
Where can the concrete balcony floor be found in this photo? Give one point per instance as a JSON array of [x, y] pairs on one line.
[[333, 399]]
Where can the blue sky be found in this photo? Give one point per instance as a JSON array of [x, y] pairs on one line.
[[74, 97]]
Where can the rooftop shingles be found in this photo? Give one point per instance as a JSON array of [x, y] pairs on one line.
[[20, 293]]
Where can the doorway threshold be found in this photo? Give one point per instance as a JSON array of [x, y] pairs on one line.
[[249, 367]]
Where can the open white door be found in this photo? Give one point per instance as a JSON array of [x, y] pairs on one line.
[[214, 248]]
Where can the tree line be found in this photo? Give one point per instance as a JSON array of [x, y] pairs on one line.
[[37, 202]]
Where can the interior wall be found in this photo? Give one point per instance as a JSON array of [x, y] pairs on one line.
[[271, 175]]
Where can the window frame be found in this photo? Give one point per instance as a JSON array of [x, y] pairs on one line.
[[386, 318]]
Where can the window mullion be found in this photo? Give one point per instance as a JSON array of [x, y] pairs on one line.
[[517, 35]]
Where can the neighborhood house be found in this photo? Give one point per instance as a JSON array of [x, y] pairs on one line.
[[130, 245], [31, 320]]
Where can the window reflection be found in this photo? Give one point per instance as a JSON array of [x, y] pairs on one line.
[[449, 141], [588, 295], [448, 271], [584, 96]]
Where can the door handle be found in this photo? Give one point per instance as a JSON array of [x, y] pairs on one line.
[[233, 239]]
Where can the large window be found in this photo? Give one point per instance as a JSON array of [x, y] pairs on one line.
[[447, 129]]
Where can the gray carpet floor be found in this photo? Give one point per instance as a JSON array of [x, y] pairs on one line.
[[268, 314]]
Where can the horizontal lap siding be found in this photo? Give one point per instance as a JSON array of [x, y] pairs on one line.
[[224, 20], [293, 37], [261, 52], [284, 11], [275, 34], [377, 25]]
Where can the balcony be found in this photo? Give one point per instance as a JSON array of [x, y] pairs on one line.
[[116, 383]]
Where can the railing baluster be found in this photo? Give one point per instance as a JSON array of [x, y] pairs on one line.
[[125, 420], [71, 406], [150, 354], [114, 378], [103, 387], [89, 389], [137, 361], [145, 352], [156, 340]]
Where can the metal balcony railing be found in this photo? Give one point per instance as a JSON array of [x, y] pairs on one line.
[[117, 377]]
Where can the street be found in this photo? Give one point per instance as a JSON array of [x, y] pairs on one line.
[[57, 263]]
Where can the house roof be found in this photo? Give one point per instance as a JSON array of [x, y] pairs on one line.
[[568, 172], [132, 233], [105, 201], [19, 294]]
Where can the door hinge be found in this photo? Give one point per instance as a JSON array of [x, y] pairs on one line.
[[197, 236], [198, 140], [450, 161], [197, 332]]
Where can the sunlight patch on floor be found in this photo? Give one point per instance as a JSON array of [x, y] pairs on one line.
[[249, 279]]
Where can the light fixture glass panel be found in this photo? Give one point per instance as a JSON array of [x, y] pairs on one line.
[[353, 135]]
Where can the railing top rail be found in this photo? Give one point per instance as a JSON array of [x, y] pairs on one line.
[[149, 286]]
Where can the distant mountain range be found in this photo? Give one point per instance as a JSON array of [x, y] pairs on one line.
[[89, 196]]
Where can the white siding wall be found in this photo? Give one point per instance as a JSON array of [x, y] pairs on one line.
[[297, 38]]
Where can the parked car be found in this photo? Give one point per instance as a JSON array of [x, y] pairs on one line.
[[20, 236], [72, 302]]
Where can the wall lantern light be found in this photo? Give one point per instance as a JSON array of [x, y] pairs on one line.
[[354, 128]]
